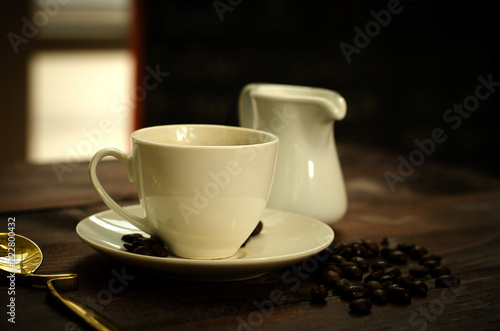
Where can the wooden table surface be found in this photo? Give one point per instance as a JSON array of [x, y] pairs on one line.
[[452, 212]]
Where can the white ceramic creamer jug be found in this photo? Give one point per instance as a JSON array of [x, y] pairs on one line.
[[308, 178]]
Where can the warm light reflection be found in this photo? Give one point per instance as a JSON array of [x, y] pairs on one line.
[[310, 167]]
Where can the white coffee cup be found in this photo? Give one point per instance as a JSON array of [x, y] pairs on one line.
[[203, 188]]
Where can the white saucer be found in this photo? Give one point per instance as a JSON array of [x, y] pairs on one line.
[[286, 239]]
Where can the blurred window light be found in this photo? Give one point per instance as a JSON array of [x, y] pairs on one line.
[[79, 96]]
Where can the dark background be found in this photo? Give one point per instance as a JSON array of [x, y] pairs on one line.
[[397, 88]]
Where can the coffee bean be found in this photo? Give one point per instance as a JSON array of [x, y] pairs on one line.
[[131, 237], [341, 286], [257, 229], [372, 248], [431, 264], [355, 292], [332, 267], [143, 250], [359, 250], [419, 288], [347, 264], [338, 259], [406, 248], [361, 262], [397, 257], [392, 271], [329, 277], [430, 256], [374, 275], [384, 252], [160, 250], [447, 281], [398, 294], [419, 272], [380, 264], [319, 293], [379, 297], [128, 247], [385, 280], [352, 272], [360, 306], [404, 280], [440, 271], [416, 252], [384, 242], [336, 248], [373, 285]]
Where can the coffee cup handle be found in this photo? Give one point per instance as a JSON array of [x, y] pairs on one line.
[[126, 160]]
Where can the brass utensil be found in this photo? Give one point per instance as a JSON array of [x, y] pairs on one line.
[[23, 257]]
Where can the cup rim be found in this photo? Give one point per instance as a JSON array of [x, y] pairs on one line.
[[273, 139]]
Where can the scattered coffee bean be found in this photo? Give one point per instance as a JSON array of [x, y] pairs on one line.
[[128, 247], [319, 293], [419, 272], [430, 256], [392, 271], [406, 248], [361, 262], [341, 286], [380, 264], [447, 281], [143, 250], [431, 264], [373, 285], [160, 250], [376, 275], [384, 242], [405, 280], [337, 248], [355, 292], [398, 294], [416, 252], [329, 277], [347, 264], [379, 297], [130, 238], [397, 257], [384, 252], [419, 288], [257, 229], [352, 272], [372, 248], [338, 259], [385, 280], [360, 306], [440, 271], [359, 250]]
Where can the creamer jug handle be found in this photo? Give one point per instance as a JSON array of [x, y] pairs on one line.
[[246, 107]]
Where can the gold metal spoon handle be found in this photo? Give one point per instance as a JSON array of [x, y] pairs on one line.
[[92, 318], [68, 281]]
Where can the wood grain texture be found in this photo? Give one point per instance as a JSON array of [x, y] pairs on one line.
[[452, 212]]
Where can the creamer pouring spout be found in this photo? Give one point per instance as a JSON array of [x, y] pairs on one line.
[[308, 178]]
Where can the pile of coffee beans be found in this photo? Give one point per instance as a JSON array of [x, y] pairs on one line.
[[153, 246], [138, 244], [367, 273]]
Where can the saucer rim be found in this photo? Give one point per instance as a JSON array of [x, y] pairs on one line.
[[174, 261]]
